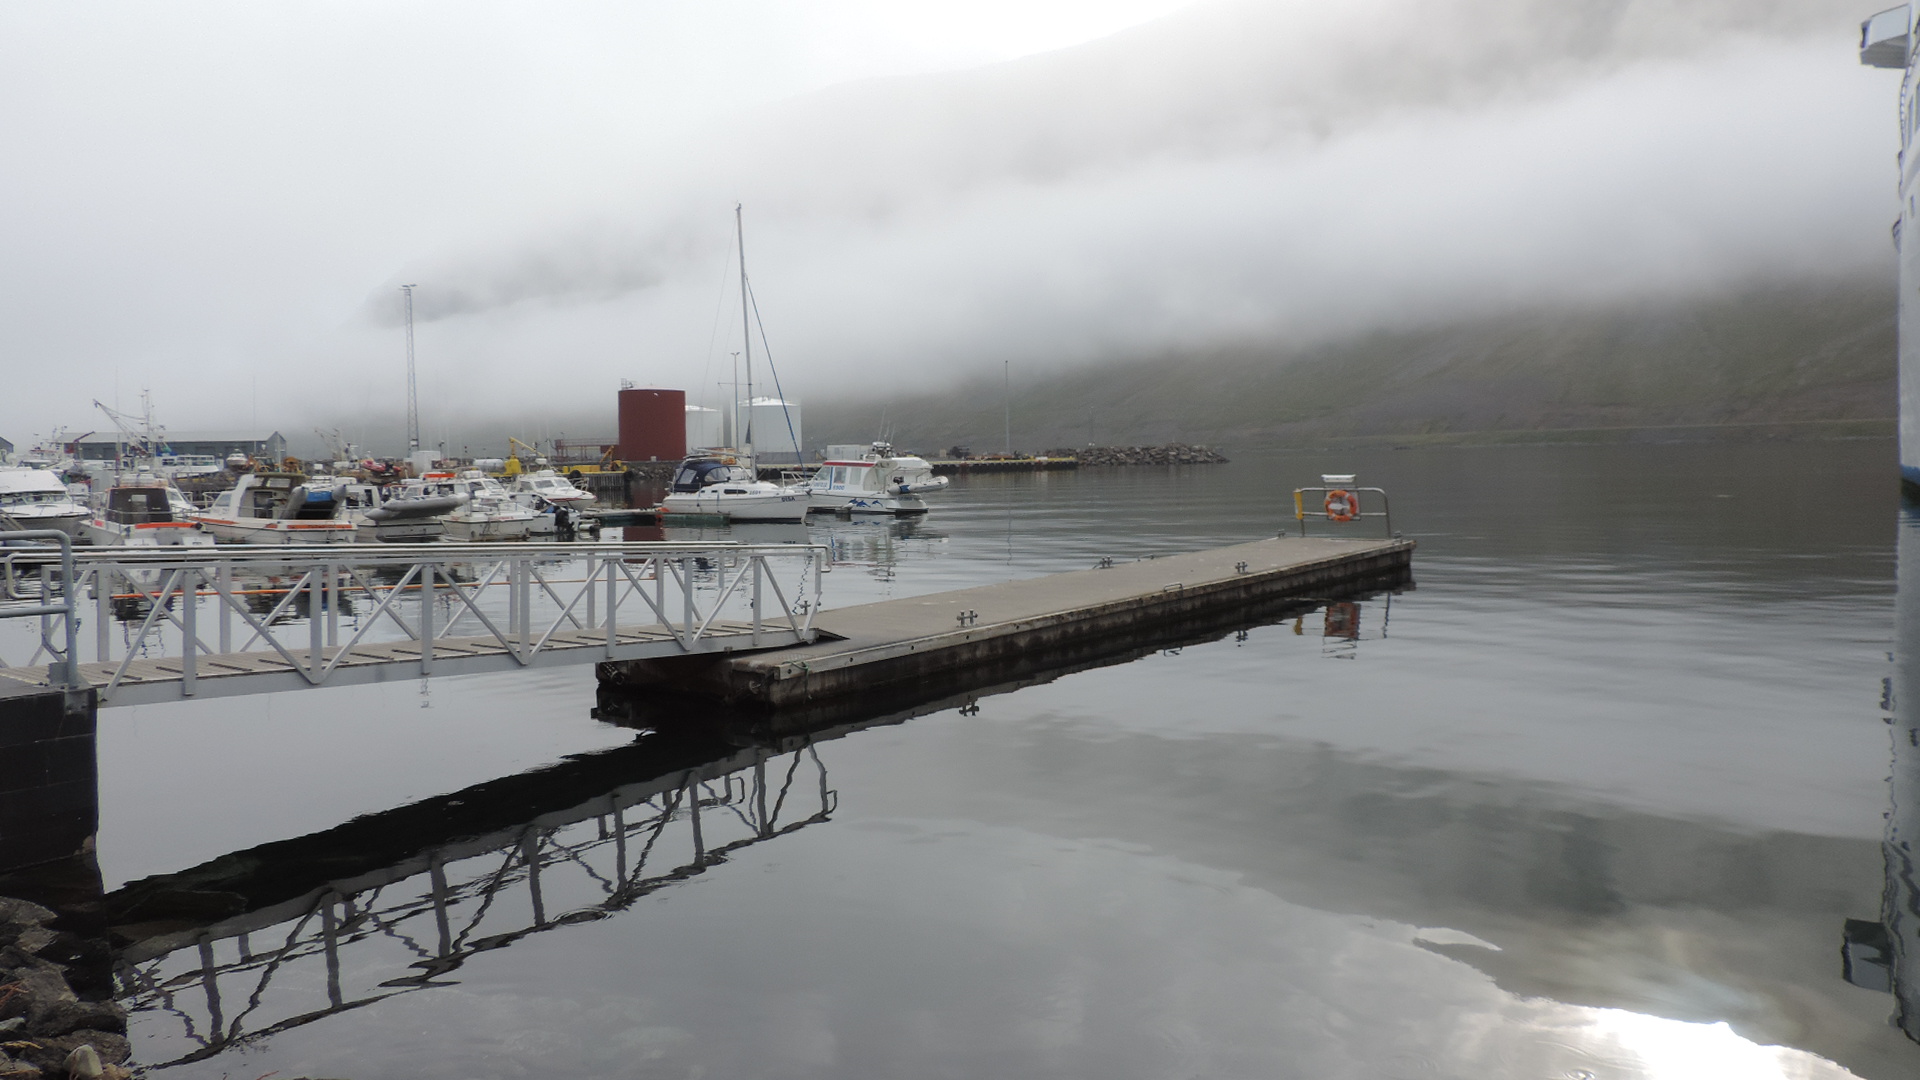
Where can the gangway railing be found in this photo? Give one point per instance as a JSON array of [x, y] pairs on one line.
[[168, 623]]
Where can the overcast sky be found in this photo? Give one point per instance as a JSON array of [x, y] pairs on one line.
[[217, 201]]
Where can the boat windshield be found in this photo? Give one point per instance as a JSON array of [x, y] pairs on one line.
[[695, 475]]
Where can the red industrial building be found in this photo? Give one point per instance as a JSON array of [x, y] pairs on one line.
[[653, 425]]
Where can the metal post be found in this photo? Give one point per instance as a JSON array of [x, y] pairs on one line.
[[523, 598], [102, 610], [613, 606], [759, 563], [333, 604], [591, 594], [223, 585], [426, 618], [660, 589], [189, 627], [686, 597], [315, 626]]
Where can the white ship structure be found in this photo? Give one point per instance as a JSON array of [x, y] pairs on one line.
[[1886, 41]]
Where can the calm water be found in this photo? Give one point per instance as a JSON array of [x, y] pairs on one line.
[[1592, 801]]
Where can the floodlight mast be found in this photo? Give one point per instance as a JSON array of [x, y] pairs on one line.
[[413, 392]]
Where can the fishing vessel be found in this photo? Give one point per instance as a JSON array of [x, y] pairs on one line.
[[489, 512], [144, 512], [277, 508], [38, 499], [877, 481], [1886, 41]]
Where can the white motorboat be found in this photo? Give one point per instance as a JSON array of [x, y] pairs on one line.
[[561, 507], [392, 515], [38, 499], [278, 508], [876, 482], [720, 486], [145, 512], [489, 512]]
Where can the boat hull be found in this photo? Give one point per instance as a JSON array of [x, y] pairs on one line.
[[404, 531], [102, 533], [277, 533], [68, 523], [781, 506], [823, 502], [470, 530]]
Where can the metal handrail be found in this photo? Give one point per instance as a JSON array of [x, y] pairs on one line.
[[1385, 511], [64, 672]]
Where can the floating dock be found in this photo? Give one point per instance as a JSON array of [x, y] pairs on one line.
[[988, 631]]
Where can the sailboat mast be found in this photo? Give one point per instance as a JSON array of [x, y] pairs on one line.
[[746, 324]]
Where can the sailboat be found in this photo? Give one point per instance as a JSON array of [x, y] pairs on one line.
[[726, 484]]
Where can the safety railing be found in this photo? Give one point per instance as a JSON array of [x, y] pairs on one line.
[[47, 600], [1341, 505], [187, 615]]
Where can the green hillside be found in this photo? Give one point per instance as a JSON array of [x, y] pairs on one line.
[[1811, 357]]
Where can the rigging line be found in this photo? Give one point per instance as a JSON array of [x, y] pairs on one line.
[[767, 351], [726, 271]]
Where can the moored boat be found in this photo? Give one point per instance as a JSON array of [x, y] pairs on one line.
[[144, 512], [489, 512], [38, 499], [875, 482], [390, 514], [720, 486], [277, 508]]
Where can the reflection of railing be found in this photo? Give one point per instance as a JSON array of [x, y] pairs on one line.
[[245, 619], [419, 921]]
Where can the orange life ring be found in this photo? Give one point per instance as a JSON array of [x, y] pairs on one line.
[[1342, 505]]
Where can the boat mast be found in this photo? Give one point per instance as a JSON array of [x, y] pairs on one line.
[[746, 325], [413, 395]]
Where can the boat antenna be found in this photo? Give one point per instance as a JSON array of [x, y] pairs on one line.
[[413, 392], [746, 326]]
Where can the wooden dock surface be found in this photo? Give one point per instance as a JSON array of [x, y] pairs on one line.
[[871, 646]]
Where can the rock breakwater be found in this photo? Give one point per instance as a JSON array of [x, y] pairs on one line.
[[56, 1019], [1170, 454]]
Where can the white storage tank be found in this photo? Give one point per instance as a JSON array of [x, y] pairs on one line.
[[704, 428], [768, 419]]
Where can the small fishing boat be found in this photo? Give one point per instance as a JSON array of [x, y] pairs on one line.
[[554, 488], [277, 508], [720, 486], [145, 512], [38, 499], [489, 512], [876, 482]]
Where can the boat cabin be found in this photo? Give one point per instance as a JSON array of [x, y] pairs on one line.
[[696, 474], [146, 505]]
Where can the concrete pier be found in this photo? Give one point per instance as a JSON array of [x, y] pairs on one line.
[[49, 797], [992, 630]]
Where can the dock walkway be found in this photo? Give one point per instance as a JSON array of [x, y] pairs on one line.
[[870, 647]]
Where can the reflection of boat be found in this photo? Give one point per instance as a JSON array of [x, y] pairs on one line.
[[722, 487], [277, 508], [38, 499], [390, 515], [145, 513], [876, 482]]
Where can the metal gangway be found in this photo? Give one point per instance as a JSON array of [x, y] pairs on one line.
[[143, 625]]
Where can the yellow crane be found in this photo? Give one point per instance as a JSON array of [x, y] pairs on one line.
[[514, 465]]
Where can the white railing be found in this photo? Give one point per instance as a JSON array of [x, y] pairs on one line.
[[258, 618]]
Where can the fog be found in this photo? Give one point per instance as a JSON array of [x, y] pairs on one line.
[[219, 202]]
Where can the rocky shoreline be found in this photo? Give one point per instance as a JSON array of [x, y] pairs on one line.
[[58, 1019], [1170, 454]]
